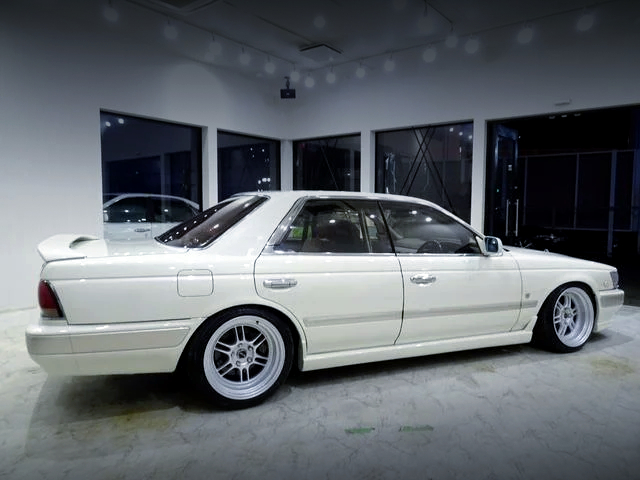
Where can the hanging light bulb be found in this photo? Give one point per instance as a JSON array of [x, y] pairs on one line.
[[244, 58], [319, 22], [309, 82], [110, 13], [525, 35], [215, 47], [389, 64], [360, 71], [585, 22], [270, 67], [430, 53], [331, 77], [452, 39], [170, 31], [472, 45], [294, 75]]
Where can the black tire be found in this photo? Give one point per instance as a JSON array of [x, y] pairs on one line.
[[566, 320], [240, 357]]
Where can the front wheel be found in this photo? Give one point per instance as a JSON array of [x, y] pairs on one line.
[[566, 320], [241, 357]]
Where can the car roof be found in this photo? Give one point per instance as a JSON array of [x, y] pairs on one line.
[[294, 194]]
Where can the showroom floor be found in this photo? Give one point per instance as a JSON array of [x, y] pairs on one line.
[[503, 413]]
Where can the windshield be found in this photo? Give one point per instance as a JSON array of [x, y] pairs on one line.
[[205, 227]]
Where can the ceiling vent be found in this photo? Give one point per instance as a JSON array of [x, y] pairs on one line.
[[182, 7], [321, 53]]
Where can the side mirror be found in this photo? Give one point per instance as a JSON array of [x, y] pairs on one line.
[[490, 246], [105, 216]]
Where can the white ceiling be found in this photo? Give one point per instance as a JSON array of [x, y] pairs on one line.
[[366, 32]]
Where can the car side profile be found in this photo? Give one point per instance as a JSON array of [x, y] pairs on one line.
[[237, 294]]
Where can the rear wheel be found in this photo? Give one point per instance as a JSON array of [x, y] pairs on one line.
[[566, 320], [241, 357]]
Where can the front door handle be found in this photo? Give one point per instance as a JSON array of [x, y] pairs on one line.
[[423, 279], [279, 283], [142, 230]]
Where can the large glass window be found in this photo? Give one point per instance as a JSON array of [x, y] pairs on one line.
[[331, 163], [247, 164], [432, 162], [151, 175]]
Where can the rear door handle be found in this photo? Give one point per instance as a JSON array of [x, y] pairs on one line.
[[423, 278], [279, 283], [142, 230]]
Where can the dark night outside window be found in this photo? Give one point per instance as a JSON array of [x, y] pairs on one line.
[[432, 162], [331, 163]]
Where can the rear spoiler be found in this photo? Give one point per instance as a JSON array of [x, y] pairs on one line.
[[60, 247]]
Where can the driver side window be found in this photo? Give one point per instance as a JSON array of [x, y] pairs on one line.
[[422, 229]]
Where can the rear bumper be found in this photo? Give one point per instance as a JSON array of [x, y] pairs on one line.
[[143, 347], [609, 302]]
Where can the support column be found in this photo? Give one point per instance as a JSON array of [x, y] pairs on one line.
[[286, 165], [478, 173], [209, 167], [367, 161]]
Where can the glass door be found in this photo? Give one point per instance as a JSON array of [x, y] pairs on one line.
[[504, 180]]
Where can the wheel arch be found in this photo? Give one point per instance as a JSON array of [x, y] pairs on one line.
[[299, 339], [578, 283]]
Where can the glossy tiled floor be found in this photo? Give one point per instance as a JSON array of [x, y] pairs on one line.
[[504, 413]]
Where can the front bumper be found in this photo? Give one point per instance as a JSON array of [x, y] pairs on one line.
[[143, 347], [609, 302]]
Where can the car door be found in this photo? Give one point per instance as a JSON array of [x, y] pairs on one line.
[[451, 290], [127, 218], [332, 267]]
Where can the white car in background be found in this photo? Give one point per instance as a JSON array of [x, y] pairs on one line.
[[142, 216], [240, 292]]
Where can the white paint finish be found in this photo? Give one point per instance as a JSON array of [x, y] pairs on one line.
[[343, 301], [195, 283], [471, 295], [408, 350], [345, 308]]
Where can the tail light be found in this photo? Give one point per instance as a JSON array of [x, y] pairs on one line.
[[49, 304]]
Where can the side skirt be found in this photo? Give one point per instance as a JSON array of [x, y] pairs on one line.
[[366, 355]]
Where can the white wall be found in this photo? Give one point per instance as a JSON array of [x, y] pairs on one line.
[[57, 72]]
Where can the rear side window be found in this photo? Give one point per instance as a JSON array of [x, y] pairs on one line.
[[336, 226], [207, 226]]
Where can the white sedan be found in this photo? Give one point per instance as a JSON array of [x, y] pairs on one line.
[[238, 294]]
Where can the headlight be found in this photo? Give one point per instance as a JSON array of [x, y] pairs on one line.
[[614, 278]]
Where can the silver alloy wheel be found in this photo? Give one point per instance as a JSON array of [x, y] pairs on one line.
[[573, 317], [244, 357]]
